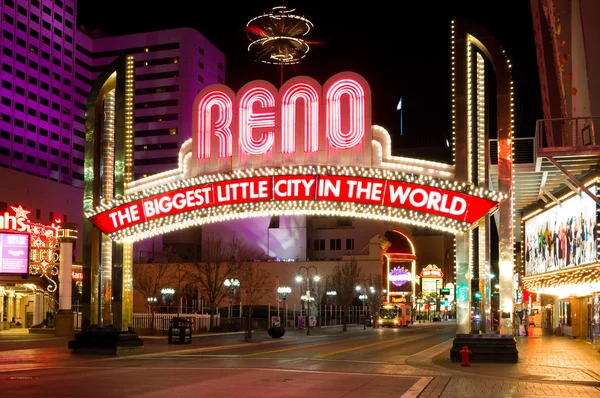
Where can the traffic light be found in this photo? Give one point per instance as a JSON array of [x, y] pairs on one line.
[[477, 295]]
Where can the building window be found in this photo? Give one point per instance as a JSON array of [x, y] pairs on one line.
[[274, 222], [38, 214], [220, 80], [220, 67], [156, 104], [201, 50], [349, 244], [51, 218], [200, 79], [335, 244], [201, 64]]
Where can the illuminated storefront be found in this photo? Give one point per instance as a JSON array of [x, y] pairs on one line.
[[29, 260], [561, 265]]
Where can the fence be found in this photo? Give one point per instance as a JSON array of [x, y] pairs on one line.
[[328, 315], [144, 321]]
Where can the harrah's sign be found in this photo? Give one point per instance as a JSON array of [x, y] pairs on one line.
[[373, 191]]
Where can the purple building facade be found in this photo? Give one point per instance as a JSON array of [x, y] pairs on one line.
[[47, 69], [48, 66]]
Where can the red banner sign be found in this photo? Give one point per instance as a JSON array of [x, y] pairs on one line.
[[373, 191]]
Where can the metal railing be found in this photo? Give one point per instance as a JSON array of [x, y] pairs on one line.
[[524, 150], [566, 132], [148, 322]]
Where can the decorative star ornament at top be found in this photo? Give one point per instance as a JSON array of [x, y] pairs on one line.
[[20, 212]]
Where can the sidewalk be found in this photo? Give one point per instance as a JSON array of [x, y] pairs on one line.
[[541, 359]]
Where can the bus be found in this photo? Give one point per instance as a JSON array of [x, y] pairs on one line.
[[394, 315]]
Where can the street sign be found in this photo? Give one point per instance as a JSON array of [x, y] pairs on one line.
[[445, 291]]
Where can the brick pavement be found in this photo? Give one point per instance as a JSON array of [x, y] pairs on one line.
[[548, 358]]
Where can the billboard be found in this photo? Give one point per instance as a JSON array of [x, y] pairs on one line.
[[563, 236], [14, 253]]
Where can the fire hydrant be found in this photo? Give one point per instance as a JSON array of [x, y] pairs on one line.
[[465, 353]]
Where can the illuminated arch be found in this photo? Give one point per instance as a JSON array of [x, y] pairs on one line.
[[249, 120], [310, 98], [223, 102]]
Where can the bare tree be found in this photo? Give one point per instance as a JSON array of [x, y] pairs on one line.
[[255, 283], [344, 278], [221, 259], [375, 292], [149, 279]]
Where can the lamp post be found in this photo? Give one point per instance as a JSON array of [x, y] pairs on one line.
[[283, 291], [316, 278], [167, 292], [151, 302], [363, 297], [231, 285]]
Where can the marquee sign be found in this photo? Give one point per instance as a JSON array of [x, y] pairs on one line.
[[431, 271], [302, 149]]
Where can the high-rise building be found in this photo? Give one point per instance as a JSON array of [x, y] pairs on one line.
[[48, 66], [37, 96], [171, 66]]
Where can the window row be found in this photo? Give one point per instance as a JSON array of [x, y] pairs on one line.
[[31, 143], [156, 104], [334, 244], [156, 90], [133, 50], [156, 147], [16, 155]]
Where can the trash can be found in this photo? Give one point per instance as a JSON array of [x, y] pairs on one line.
[[180, 331]]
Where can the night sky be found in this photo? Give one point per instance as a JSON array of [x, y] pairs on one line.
[[402, 51]]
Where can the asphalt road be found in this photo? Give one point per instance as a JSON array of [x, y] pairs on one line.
[[329, 363]]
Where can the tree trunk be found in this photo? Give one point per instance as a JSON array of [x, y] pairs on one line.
[[344, 322], [249, 326], [212, 316]]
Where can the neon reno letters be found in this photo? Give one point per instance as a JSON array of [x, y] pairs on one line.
[[368, 191], [261, 119]]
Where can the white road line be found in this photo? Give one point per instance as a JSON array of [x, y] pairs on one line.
[[431, 348], [417, 388]]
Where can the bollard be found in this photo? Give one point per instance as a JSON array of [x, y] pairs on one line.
[[465, 353]]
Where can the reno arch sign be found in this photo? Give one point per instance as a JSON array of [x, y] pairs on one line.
[[301, 123], [304, 149]]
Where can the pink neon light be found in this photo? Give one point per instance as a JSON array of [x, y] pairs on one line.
[[222, 126], [250, 120], [356, 132], [289, 99]]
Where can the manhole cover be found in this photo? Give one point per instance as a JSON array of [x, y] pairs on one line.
[[23, 377]]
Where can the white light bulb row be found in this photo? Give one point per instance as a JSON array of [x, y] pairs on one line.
[[261, 209]]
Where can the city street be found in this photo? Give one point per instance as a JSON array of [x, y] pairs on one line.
[[405, 362]]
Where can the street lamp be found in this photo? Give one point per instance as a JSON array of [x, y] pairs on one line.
[[167, 292], [283, 291], [316, 278], [151, 302], [363, 297], [231, 285]]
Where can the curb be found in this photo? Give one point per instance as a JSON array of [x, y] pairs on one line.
[[194, 335]]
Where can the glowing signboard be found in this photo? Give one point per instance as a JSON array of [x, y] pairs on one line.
[[399, 276], [431, 271], [301, 149], [14, 253], [76, 276], [368, 191]]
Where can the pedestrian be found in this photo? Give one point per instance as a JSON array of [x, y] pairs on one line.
[[526, 324]]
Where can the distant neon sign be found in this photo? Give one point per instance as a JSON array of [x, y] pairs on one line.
[[399, 276], [19, 222], [431, 271]]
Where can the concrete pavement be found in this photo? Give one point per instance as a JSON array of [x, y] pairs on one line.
[[406, 362]]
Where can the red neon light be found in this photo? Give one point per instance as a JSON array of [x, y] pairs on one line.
[[19, 222], [251, 120], [310, 97], [370, 191], [77, 276], [224, 104], [355, 133]]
